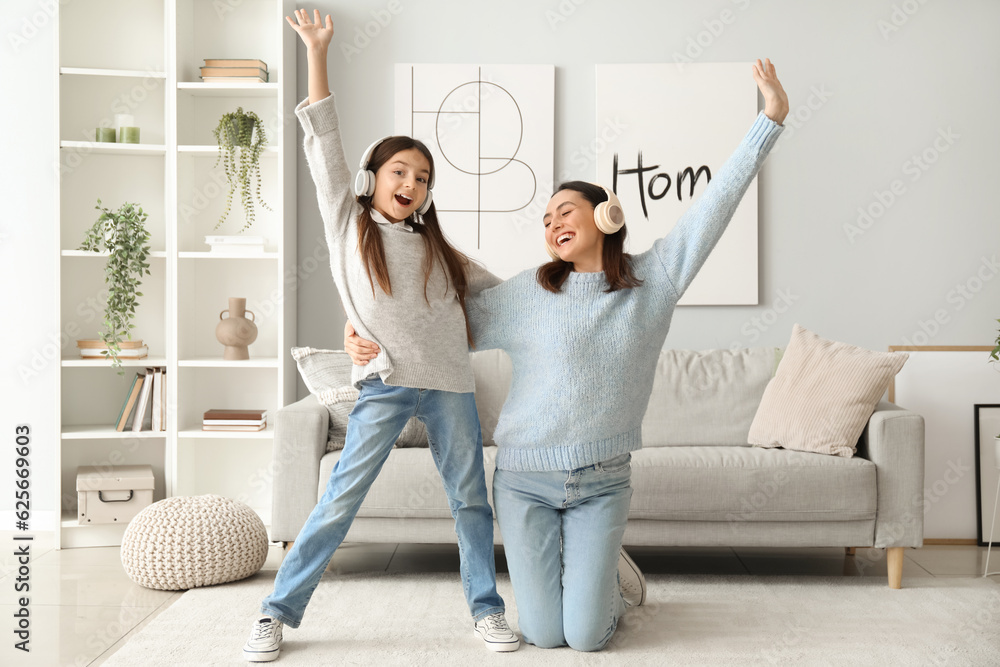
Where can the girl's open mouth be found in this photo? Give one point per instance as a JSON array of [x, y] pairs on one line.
[[403, 200]]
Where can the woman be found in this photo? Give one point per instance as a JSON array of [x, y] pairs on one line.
[[584, 333]]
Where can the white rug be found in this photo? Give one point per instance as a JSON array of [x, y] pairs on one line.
[[421, 619]]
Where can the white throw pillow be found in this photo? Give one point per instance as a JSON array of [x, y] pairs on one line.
[[822, 395]]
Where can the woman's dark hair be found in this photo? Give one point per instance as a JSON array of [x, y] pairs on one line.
[[617, 263], [436, 247]]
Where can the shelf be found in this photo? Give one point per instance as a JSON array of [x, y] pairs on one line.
[[103, 431], [219, 362], [94, 71], [105, 253], [266, 434], [225, 89], [214, 150], [102, 148], [77, 362], [207, 254], [92, 535]]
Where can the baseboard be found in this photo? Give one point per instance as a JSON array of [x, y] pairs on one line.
[[950, 542]]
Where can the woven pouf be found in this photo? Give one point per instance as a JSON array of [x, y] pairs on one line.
[[189, 541]]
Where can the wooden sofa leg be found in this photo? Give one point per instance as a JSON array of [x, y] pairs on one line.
[[288, 546], [849, 551], [894, 559]]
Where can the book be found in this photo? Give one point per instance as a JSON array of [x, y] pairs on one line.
[[156, 416], [237, 249], [90, 344], [234, 239], [163, 400], [233, 79], [102, 353], [234, 422], [143, 403], [206, 427], [130, 397], [234, 71], [232, 413], [235, 62]]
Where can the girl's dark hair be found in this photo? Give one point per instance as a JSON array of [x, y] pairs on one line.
[[436, 247], [617, 263]]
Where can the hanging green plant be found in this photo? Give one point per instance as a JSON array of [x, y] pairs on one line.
[[239, 152], [123, 235]]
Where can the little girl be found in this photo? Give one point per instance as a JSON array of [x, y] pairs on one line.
[[403, 286]]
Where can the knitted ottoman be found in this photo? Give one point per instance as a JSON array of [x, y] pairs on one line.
[[189, 541]]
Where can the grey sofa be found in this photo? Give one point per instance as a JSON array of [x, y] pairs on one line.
[[696, 481]]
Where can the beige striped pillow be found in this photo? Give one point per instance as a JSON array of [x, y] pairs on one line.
[[822, 395]]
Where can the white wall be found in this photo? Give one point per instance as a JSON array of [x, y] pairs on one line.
[[864, 98]]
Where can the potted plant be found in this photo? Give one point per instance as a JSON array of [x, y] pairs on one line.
[[241, 138], [123, 235]]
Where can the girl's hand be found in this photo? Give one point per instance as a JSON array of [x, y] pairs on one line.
[[360, 350], [314, 34], [775, 99]]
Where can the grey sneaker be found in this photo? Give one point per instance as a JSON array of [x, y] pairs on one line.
[[265, 641], [496, 634], [630, 578]]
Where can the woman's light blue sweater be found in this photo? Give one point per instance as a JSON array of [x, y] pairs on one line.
[[584, 359]]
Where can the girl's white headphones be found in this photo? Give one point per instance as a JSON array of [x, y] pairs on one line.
[[364, 180], [608, 216]]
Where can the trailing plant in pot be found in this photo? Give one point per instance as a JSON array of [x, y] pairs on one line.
[[241, 138], [123, 235]]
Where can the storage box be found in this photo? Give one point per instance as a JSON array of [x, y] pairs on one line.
[[113, 494]]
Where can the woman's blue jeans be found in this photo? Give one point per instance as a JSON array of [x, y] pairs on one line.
[[561, 534], [373, 426]]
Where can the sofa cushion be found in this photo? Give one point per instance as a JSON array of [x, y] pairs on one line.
[[706, 398], [822, 395], [408, 486], [327, 376], [749, 484], [493, 372]]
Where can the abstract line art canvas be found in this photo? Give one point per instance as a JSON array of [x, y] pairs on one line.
[[490, 129]]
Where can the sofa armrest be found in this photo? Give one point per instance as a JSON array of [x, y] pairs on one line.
[[893, 440], [300, 436]]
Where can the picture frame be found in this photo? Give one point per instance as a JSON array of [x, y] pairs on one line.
[[987, 427]]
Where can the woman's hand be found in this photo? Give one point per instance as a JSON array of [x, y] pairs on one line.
[[775, 99], [360, 350], [314, 34]]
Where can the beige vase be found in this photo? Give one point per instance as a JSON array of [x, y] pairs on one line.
[[236, 332]]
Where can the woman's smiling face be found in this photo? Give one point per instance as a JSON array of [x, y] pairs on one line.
[[571, 232]]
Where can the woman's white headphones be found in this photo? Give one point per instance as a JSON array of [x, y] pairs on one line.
[[364, 180], [608, 216]]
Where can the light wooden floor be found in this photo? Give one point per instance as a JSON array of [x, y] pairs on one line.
[[83, 607]]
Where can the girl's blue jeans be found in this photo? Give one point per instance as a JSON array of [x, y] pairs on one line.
[[373, 426], [562, 532]]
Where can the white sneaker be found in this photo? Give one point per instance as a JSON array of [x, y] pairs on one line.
[[633, 584], [497, 635], [265, 641]]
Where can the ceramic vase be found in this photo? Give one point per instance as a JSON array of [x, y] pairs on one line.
[[236, 332]]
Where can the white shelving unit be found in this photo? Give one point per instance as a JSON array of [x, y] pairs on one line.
[[141, 57]]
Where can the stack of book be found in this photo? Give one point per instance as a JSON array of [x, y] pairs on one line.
[[97, 349], [234, 70], [225, 419], [232, 244], [145, 405]]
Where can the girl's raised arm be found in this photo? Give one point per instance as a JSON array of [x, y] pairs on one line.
[[316, 35]]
